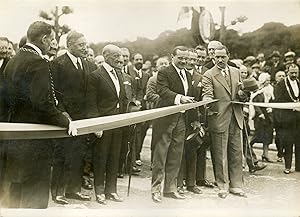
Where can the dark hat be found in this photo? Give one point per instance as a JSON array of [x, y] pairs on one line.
[[275, 53], [250, 84], [196, 136]]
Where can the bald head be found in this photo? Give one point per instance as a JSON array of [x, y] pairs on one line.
[[212, 46], [99, 60], [112, 54]]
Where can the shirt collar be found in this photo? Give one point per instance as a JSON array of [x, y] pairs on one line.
[[107, 67], [292, 82], [177, 69], [36, 48]]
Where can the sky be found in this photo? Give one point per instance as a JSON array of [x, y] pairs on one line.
[[116, 20]]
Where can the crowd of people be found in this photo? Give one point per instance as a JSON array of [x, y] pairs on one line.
[[41, 83]]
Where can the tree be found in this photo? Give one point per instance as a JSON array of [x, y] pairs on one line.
[[55, 16]]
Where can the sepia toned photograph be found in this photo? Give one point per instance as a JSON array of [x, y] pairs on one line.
[[149, 108]]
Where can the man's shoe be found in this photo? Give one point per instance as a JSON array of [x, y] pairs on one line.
[[174, 195], [180, 190], [78, 196], [114, 197], [60, 200], [279, 159], [237, 192], [121, 175], [287, 171], [222, 194], [205, 183], [257, 167], [135, 170], [100, 198], [156, 197], [194, 189], [138, 162], [86, 184]]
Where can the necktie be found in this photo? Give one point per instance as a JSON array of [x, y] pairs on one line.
[[113, 72], [227, 78], [78, 64], [181, 74]]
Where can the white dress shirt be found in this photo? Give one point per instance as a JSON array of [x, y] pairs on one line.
[[294, 86], [74, 60], [184, 82]]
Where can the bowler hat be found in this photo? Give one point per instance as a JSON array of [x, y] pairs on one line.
[[250, 84], [275, 53], [195, 137]]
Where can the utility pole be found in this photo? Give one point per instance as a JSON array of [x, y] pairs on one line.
[[222, 27]]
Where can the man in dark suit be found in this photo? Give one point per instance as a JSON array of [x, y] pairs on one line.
[[140, 79], [173, 87], [106, 96], [288, 90], [70, 73], [31, 99], [3, 116], [225, 121]]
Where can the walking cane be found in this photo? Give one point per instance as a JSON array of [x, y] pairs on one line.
[[130, 153]]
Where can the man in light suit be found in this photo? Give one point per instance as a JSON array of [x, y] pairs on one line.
[[106, 96], [174, 87], [225, 121]]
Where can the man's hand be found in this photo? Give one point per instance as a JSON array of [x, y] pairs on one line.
[[98, 134], [195, 125], [72, 131], [262, 116], [297, 109], [138, 103], [186, 99], [269, 110]]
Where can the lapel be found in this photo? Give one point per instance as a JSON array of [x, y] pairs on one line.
[[220, 78], [291, 89], [174, 75], [108, 80]]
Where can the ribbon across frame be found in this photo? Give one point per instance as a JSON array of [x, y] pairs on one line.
[[9, 131]]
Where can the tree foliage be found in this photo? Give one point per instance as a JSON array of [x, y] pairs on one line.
[[271, 36]]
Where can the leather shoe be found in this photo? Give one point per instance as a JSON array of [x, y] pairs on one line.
[[257, 167], [238, 192], [174, 195], [287, 171], [78, 196], [194, 189], [86, 184], [121, 175], [180, 190], [222, 194], [156, 197], [114, 197], [205, 183], [100, 198], [60, 200], [135, 169]]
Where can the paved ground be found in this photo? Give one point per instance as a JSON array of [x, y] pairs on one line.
[[270, 193]]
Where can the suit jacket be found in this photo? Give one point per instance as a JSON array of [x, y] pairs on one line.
[[102, 98], [151, 92], [215, 87], [3, 94], [286, 118], [71, 85], [28, 87], [139, 84], [169, 85]]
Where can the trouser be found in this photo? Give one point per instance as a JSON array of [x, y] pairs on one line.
[[169, 135], [291, 138], [106, 154], [27, 176], [226, 148]]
